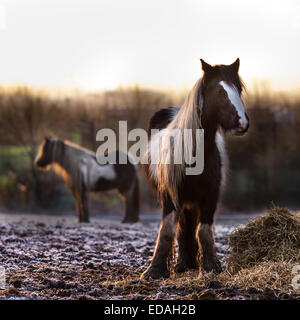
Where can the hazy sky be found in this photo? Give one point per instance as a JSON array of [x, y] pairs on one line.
[[104, 43]]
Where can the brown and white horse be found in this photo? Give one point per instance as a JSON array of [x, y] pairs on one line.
[[189, 201], [82, 173]]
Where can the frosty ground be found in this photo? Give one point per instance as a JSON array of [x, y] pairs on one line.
[[52, 257]]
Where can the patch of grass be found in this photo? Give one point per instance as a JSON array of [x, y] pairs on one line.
[[14, 150]]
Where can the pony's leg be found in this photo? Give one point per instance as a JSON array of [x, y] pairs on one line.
[[79, 207], [159, 267], [85, 207], [132, 203], [210, 261], [82, 206], [187, 241], [79, 191]]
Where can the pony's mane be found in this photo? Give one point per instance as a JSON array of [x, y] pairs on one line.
[[167, 174], [57, 153], [64, 155], [76, 146]]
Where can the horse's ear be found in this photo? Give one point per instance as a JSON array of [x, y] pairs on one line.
[[205, 66], [235, 66]]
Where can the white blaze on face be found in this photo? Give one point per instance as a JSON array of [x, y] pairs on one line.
[[236, 101]]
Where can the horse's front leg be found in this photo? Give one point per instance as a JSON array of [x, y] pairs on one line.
[[210, 261], [81, 195], [85, 207], [188, 241], [159, 267], [80, 190], [82, 207]]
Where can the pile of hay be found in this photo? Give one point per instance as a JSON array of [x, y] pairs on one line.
[[265, 275], [274, 236], [264, 252]]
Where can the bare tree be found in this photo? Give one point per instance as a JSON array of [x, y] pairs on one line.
[[26, 117]]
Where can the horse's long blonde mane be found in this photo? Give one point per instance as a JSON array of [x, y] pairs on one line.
[[169, 176]]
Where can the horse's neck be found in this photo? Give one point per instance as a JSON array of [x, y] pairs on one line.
[[210, 131], [59, 156], [62, 165]]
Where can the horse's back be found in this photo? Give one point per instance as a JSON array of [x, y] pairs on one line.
[[123, 177], [162, 118], [159, 121]]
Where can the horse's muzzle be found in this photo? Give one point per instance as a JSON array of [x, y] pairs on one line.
[[40, 164], [242, 128]]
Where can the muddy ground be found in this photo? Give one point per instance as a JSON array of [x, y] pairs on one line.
[[56, 258]]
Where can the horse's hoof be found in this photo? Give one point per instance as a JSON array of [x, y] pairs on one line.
[[155, 273], [182, 266], [213, 265]]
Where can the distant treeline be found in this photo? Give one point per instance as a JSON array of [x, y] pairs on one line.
[[264, 164]]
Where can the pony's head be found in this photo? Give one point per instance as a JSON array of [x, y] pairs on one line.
[[221, 92], [44, 157]]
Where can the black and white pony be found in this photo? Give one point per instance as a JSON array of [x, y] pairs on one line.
[[189, 201], [82, 173]]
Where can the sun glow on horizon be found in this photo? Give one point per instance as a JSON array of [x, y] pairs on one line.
[[104, 44]]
